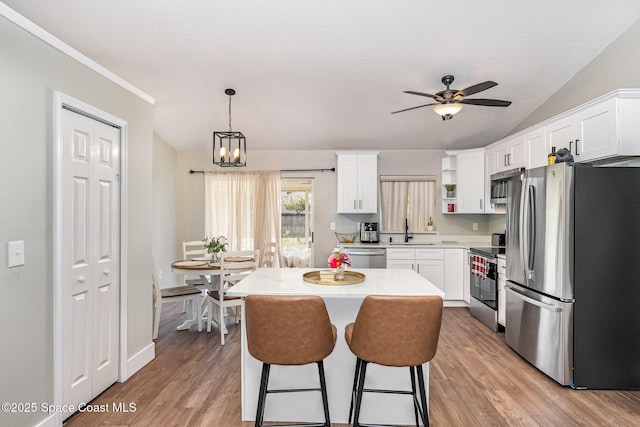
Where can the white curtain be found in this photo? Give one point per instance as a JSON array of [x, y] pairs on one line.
[[407, 198], [244, 207]]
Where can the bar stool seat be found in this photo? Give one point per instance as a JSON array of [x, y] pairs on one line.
[[394, 331], [289, 330]]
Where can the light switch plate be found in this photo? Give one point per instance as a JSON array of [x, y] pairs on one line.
[[15, 253]]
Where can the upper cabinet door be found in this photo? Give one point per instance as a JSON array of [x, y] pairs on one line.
[[368, 183], [347, 184], [357, 183], [537, 148], [597, 132], [470, 187]]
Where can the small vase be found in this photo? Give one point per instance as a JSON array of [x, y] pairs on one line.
[[215, 257], [339, 274]]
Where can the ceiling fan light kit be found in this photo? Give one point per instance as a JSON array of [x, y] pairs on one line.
[[229, 147], [447, 110], [450, 101]]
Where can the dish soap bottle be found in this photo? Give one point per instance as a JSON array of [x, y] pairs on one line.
[[551, 158]]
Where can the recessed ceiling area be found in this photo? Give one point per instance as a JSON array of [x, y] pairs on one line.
[[327, 75]]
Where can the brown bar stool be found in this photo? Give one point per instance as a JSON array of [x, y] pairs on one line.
[[394, 331], [291, 330]]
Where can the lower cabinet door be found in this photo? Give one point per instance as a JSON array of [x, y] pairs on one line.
[[433, 271]]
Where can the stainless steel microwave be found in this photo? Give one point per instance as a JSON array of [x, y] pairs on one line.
[[499, 184]]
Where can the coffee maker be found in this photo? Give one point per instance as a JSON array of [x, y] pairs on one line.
[[369, 232]]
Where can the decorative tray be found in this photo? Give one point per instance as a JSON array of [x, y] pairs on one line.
[[322, 278]]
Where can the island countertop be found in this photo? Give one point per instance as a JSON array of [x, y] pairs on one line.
[[289, 281]]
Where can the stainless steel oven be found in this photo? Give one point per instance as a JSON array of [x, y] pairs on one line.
[[483, 271]]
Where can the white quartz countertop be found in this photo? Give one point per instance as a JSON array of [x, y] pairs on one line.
[[446, 244], [378, 281]]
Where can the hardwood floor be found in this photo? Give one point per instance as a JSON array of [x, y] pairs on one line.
[[476, 380]]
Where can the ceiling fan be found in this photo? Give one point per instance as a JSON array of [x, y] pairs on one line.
[[450, 101]]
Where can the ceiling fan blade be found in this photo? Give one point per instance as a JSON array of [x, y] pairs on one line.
[[413, 108], [476, 88], [436, 97], [486, 102]]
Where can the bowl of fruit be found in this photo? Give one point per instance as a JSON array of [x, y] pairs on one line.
[[346, 237]]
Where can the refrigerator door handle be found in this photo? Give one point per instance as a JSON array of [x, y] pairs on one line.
[[524, 241], [531, 239], [553, 308]]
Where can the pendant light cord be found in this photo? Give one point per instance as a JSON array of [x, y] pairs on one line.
[[229, 113]]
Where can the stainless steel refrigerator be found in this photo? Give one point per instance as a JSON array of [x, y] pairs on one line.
[[573, 271]]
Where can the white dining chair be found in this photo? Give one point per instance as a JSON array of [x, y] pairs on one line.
[[234, 266], [269, 254], [190, 250], [174, 294]]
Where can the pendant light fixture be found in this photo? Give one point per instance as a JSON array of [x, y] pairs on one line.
[[229, 148]]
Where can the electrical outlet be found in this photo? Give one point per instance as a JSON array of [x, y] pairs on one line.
[[160, 274], [332, 225], [475, 226]]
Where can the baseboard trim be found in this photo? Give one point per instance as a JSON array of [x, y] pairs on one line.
[[52, 420], [140, 359]]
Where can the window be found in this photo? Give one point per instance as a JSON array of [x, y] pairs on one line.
[[407, 199], [297, 222]]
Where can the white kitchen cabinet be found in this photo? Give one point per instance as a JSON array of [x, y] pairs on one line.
[[428, 262], [502, 281], [604, 128], [470, 187], [433, 271], [454, 274], [589, 133], [537, 147], [510, 153], [469, 177], [357, 182]]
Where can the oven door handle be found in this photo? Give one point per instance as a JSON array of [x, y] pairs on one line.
[[553, 308]]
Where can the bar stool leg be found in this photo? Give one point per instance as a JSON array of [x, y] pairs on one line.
[[412, 371], [323, 390], [360, 391], [264, 381], [423, 397], [355, 385]]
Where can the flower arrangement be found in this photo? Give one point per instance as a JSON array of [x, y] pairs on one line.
[[215, 244], [339, 259]]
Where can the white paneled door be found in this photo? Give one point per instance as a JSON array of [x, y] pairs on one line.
[[90, 203]]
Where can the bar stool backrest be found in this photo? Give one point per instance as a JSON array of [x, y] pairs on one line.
[[397, 331], [288, 330]]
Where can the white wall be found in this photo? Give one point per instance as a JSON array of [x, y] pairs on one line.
[[165, 223], [392, 162], [30, 71], [618, 66]]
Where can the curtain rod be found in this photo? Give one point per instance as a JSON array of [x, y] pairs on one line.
[[283, 170]]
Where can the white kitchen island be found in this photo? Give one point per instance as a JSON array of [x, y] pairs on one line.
[[343, 303]]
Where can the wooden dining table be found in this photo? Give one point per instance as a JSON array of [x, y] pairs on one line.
[[203, 268]]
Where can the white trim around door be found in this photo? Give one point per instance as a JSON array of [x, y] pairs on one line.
[[61, 101]]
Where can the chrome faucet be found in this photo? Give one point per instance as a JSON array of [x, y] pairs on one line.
[[406, 231]]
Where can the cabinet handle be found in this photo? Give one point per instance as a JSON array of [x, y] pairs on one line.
[[505, 160], [570, 144], [360, 204], [354, 205], [509, 157], [577, 141], [81, 279], [481, 203]]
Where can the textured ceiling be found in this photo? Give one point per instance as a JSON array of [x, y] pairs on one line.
[[326, 74]]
